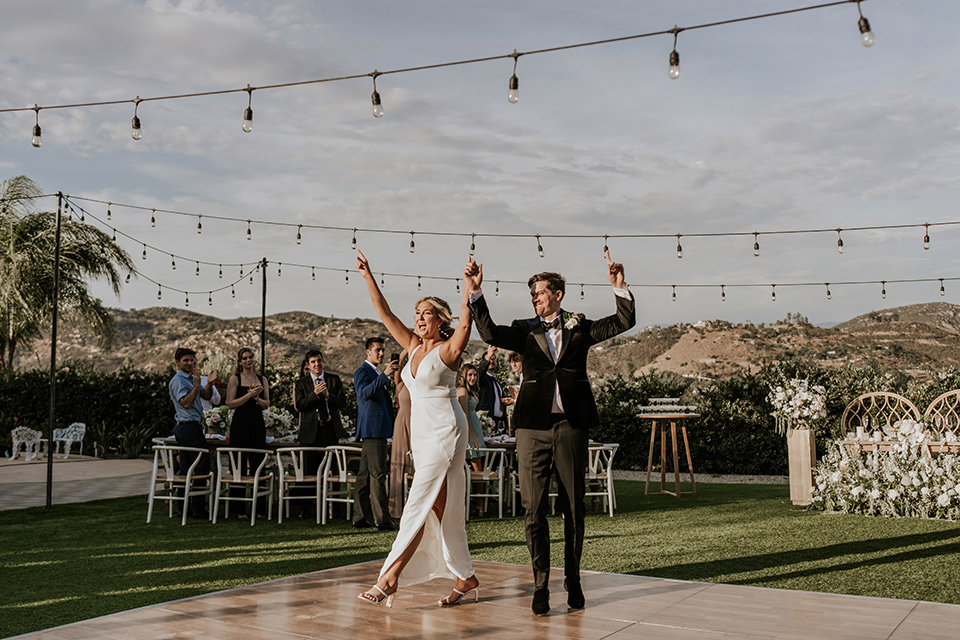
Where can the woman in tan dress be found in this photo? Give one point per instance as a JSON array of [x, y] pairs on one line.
[[400, 461]]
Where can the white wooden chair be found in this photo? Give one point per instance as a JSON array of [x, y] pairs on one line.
[[490, 477], [175, 487], [73, 433], [600, 474], [292, 473], [339, 483], [230, 467], [28, 439]]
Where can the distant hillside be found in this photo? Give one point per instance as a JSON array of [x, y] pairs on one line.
[[914, 339]]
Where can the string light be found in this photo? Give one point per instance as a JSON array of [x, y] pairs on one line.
[[173, 263], [220, 272], [114, 235], [382, 282], [346, 277], [839, 242], [186, 300], [679, 248], [674, 56], [210, 299], [458, 285], [581, 291], [249, 232], [299, 239], [37, 140], [353, 242], [198, 269], [144, 254], [199, 225], [883, 289], [829, 295], [673, 295], [756, 244], [251, 277], [159, 292], [773, 292], [82, 217], [539, 247], [926, 237], [109, 215], [513, 97], [153, 219], [413, 246], [279, 265], [418, 283], [135, 123], [128, 278], [605, 247], [313, 273], [942, 290], [723, 293], [233, 292], [497, 291], [248, 112], [375, 97], [473, 244], [867, 38]]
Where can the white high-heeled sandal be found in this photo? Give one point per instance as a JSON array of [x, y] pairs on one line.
[[373, 599], [445, 602]]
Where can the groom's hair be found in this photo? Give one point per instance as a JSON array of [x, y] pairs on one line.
[[555, 281]]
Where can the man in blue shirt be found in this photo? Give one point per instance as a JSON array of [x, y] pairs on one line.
[[374, 426], [186, 391]]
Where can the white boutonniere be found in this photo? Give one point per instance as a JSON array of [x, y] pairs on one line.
[[571, 320]]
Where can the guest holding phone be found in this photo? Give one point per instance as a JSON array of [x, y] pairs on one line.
[[248, 395]]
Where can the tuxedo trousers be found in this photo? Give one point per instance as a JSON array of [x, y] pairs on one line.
[[559, 450]]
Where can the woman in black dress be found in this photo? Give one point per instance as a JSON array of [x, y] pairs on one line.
[[248, 395]]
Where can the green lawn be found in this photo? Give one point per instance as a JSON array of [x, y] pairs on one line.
[[85, 560]]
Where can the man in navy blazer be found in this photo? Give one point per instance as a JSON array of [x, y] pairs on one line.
[[374, 426]]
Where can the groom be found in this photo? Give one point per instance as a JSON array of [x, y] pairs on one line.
[[554, 411]]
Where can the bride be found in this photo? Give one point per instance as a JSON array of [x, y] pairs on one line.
[[432, 541]]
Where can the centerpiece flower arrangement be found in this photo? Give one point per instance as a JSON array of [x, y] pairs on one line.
[[904, 481], [218, 420], [279, 422], [797, 404], [487, 423]]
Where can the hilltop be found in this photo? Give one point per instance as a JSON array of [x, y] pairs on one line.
[[914, 338]]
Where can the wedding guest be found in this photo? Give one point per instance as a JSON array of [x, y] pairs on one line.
[[516, 366], [555, 410], [491, 393], [248, 394], [374, 426], [468, 391], [186, 392], [401, 462], [318, 398], [215, 398]]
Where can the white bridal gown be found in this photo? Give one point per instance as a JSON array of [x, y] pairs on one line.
[[438, 439]]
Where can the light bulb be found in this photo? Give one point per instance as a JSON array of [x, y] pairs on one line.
[[279, 266], [942, 290], [413, 246], [514, 95], [377, 106], [773, 292], [353, 243], [382, 282], [186, 301], [883, 290], [679, 248], [605, 247], [36, 136], [249, 232], [926, 238], [220, 274], [675, 65], [346, 277], [313, 273], [539, 247], [199, 225], [128, 278], [756, 245], [173, 263], [247, 120], [159, 293], [298, 234], [839, 245], [497, 291], [723, 294], [136, 133], [581, 291], [153, 219], [144, 254], [867, 38], [418, 283], [210, 299], [673, 296], [109, 215], [198, 268], [458, 285], [473, 244], [233, 292]]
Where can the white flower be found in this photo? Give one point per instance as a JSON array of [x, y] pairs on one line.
[[924, 491], [857, 490], [875, 494], [893, 494], [943, 500]]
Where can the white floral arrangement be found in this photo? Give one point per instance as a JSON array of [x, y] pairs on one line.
[[279, 421], [218, 419], [571, 320], [901, 482], [907, 432], [798, 404], [487, 423]]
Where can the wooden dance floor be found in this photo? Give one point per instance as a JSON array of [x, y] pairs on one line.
[[325, 605]]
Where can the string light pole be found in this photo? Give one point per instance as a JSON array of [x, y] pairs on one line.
[[54, 303], [263, 315]]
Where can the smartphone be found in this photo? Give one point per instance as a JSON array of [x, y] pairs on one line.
[[394, 357]]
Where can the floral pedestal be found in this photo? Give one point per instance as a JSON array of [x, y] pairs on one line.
[[802, 456]]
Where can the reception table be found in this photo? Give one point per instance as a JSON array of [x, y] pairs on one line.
[[669, 421]]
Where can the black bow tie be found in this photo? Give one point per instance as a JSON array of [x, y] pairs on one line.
[[551, 325]]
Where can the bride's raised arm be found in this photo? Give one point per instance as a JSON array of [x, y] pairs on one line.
[[400, 332], [452, 349]]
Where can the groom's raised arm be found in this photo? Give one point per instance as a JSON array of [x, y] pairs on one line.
[[510, 338], [626, 315]]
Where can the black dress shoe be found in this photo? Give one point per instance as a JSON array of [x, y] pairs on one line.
[[361, 524], [388, 525], [541, 602], [575, 599]]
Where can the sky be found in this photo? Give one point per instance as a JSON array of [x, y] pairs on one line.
[[786, 123]]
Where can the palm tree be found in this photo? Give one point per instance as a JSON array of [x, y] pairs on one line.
[[27, 240]]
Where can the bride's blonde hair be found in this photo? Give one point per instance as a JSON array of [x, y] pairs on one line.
[[443, 312]]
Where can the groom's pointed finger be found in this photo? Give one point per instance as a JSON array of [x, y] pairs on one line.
[[606, 254]]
